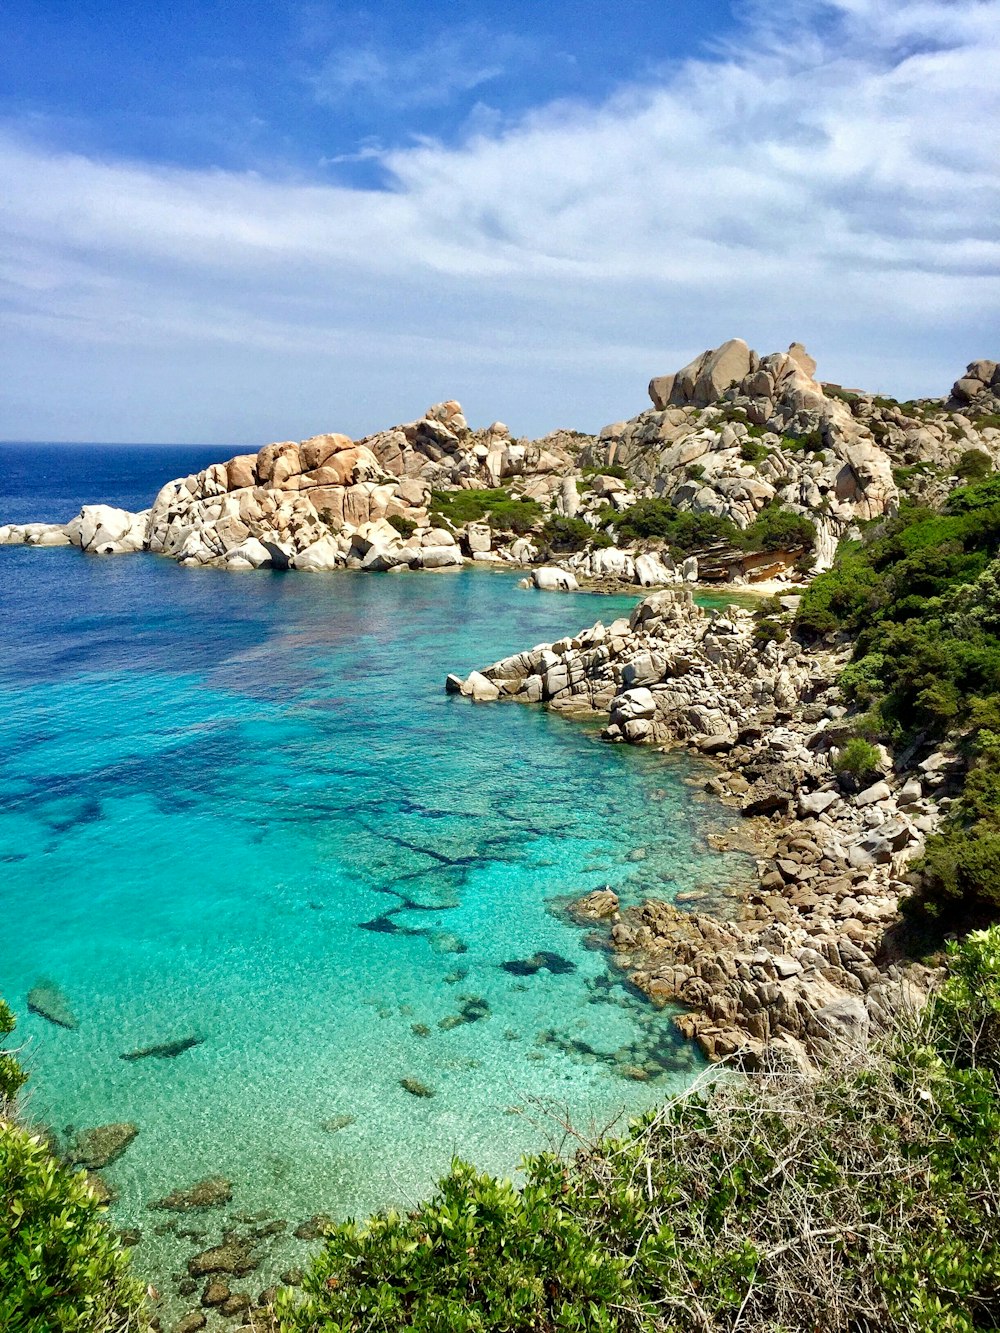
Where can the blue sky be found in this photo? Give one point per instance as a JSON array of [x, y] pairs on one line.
[[236, 222]]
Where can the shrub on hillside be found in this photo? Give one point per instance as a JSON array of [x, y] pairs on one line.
[[566, 534], [406, 527], [858, 759]]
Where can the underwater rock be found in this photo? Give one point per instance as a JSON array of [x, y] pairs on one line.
[[191, 1322], [164, 1050], [48, 1001], [216, 1292], [212, 1192], [337, 1122], [96, 1148], [415, 1088], [313, 1228], [233, 1256], [472, 1009], [420, 1029], [129, 1237], [236, 1304], [544, 958]]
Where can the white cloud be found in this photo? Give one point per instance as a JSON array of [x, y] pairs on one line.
[[833, 177], [455, 62]]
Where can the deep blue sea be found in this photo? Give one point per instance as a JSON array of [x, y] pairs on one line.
[[241, 807]]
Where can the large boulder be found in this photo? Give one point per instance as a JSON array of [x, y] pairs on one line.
[[551, 579]]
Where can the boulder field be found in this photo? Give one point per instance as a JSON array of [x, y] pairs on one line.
[[730, 435], [797, 965]]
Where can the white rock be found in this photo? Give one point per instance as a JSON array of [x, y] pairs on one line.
[[551, 579]]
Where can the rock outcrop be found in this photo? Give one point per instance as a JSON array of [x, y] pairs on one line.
[[834, 859], [729, 435]]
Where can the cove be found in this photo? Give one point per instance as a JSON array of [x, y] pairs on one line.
[[241, 810]]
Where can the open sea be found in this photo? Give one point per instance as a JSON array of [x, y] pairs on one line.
[[241, 808]]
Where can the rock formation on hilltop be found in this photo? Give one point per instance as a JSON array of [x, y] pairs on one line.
[[731, 439]]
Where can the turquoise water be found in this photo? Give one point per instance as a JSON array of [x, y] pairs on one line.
[[242, 808]]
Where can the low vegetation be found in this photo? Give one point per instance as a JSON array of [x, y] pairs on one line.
[[757, 1204], [497, 507], [775, 528], [921, 598]]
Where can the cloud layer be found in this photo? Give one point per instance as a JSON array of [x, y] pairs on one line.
[[831, 177]]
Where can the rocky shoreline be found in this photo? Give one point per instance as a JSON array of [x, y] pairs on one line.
[[807, 958]]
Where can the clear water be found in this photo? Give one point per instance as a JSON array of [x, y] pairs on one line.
[[241, 807]]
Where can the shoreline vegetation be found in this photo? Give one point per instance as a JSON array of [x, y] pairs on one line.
[[854, 721]]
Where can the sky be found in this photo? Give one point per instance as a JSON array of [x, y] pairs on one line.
[[231, 221]]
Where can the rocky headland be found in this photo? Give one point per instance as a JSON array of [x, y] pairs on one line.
[[731, 437]]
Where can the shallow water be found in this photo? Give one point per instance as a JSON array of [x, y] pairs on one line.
[[242, 808]]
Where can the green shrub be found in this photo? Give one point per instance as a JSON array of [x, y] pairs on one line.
[[758, 1204], [566, 534], [779, 529], [767, 630], [752, 451], [61, 1267], [974, 465], [607, 470], [858, 759], [809, 442], [406, 527], [12, 1076], [683, 530], [497, 507]]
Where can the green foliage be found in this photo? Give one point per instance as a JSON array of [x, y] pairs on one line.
[[768, 630], [406, 527], [683, 530], [752, 451], [12, 1076], [974, 465], [809, 442], [606, 470], [566, 534], [758, 1204], [858, 759], [502, 512], [987, 421], [775, 528], [61, 1267], [922, 599], [778, 529]]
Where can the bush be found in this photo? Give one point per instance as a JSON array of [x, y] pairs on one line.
[[752, 451], [974, 465], [684, 531], [757, 1204], [566, 534], [606, 470], [767, 630], [778, 529], [12, 1076], [406, 527], [502, 512], [61, 1267], [858, 759]]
